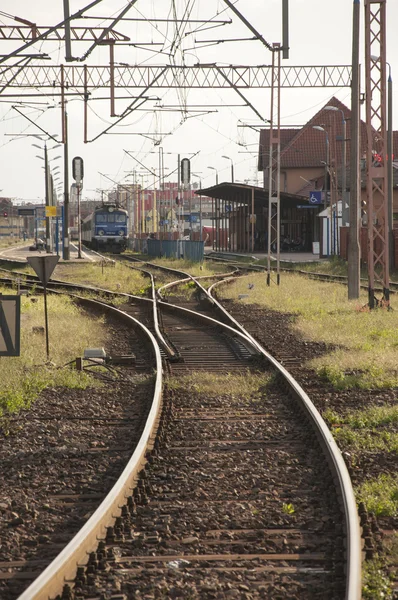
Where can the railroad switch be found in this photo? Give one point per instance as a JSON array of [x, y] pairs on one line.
[[121, 359]]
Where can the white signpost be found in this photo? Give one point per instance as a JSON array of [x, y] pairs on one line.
[[43, 266], [78, 174]]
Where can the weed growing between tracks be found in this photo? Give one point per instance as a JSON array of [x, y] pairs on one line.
[[70, 331], [248, 386], [195, 269]]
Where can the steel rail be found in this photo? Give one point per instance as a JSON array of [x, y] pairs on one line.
[[332, 451], [170, 351], [335, 459], [353, 589], [51, 581]]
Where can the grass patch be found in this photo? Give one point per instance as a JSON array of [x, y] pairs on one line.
[[373, 416], [118, 278], [363, 345], [376, 584], [70, 331], [369, 441], [380, 495], [236, 386]]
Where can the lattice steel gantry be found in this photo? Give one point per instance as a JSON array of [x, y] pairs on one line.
[[376, 171]]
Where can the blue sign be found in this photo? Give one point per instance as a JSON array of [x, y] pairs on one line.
[[315, 197]]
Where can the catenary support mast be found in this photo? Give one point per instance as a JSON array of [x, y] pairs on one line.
[[376, 151]]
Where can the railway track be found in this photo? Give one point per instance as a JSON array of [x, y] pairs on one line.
[[242, 496]]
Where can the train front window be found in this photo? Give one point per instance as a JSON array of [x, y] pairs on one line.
[[101, 218], [111, 218], [120, 218]]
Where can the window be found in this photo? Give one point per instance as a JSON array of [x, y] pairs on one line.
[[101, 218], [111, 218], [120, 218]]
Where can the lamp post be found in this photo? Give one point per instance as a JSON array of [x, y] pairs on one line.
[[345, 204], [48, 189], [319, 128], [232, 167], [200, 206], [214, 169], [390, 180]]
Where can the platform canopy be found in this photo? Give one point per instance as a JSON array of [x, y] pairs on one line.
[[241, 193]]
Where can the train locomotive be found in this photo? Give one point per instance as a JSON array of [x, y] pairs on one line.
[[106, 229]]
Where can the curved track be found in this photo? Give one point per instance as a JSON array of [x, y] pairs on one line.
[[239, 496]]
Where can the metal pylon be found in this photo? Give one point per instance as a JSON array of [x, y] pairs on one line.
[[376, 152], [274, 170]]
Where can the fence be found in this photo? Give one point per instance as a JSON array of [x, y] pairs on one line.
[[188, 249]]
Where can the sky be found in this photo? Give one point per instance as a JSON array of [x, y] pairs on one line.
[[203, 125]]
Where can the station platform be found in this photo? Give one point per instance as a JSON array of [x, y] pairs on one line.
[[20, 252]]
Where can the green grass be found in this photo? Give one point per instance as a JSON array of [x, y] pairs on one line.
[[369, 441], [70, 331], [380, 495], [119, 278], [376, 585], [362, 345], [235, 386], [373, 416]]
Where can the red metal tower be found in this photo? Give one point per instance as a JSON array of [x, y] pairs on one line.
[[376, 152]]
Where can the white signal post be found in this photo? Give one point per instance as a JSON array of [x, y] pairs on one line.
[[78, 173]]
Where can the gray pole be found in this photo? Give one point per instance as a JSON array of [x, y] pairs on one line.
[[390, 194], [328, 188], [354, 250], [285, 28], [345, 204], [68, 56], [66, 249], [79, 224], [180, 201], [47, 198]]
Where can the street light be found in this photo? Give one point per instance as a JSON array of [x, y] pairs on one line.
[[214, 169], [319, 128], [232, 167], [389, 163], [345, 207]]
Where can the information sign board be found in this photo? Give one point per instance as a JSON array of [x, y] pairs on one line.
[[51, 211], [315, 197], [10, 325], [26, 212]]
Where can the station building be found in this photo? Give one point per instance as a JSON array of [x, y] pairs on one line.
[[311, 161]]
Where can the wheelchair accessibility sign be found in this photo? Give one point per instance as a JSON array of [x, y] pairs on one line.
[[315, 197]]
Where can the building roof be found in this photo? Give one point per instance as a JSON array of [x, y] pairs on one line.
[[243, 194], [306, 147]]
